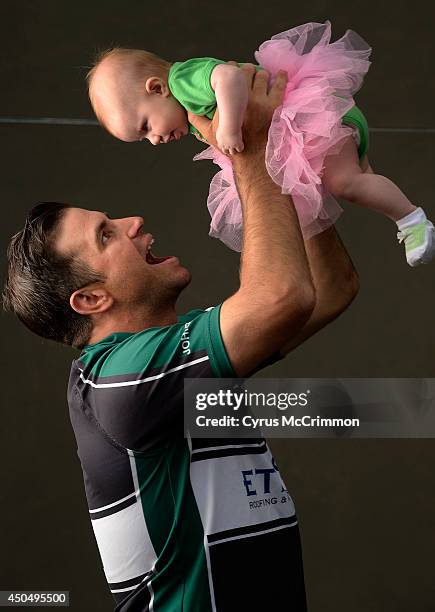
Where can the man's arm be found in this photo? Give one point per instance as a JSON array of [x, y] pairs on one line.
[[335, 282], [276, 294]]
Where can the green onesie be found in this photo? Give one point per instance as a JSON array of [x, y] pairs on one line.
[[189, 83]]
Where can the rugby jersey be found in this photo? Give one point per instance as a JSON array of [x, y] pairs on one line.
[[189, 525]]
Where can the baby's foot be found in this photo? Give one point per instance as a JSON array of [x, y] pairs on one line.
[[230, 143], [418, 233]]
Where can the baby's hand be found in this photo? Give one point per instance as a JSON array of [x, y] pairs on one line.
[[229, 142]]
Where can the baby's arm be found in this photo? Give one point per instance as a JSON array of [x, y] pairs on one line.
[[231, 91]]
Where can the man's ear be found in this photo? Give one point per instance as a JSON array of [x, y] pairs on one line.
[[88, 301], [156, 85]]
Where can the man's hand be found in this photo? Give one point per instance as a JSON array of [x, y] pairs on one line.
[[206, 127], [261, 106]]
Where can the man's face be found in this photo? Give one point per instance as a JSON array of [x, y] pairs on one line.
[[119, 249]]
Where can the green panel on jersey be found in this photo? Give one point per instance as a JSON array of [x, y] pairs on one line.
[[155, 347], [175, 529]]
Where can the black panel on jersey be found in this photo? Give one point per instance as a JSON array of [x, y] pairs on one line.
[[106, 471], [274, 581], [143, 416], [137, 601]]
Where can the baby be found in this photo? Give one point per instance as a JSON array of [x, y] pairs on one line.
[[131, 92], [318, 140]]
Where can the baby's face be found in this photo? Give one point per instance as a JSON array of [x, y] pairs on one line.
[[160, 118], [133, 113]]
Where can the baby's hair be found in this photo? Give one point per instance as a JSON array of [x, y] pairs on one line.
[[149, 64], [143, 63]]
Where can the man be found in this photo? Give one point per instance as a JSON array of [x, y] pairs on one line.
[[172, 517]]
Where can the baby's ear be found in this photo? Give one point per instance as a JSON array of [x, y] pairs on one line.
[[156, 85]]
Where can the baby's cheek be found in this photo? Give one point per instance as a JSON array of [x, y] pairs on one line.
[[166, 124]]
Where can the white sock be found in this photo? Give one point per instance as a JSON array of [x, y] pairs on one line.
[[416, 216]]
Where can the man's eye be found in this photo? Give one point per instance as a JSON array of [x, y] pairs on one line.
[[105, 237]]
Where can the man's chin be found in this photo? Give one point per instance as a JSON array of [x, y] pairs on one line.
[[185, 278], [180, 279]]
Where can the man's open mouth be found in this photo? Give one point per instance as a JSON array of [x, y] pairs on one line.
[[151, 259]]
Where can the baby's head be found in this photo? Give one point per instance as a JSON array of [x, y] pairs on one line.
[[129, 93]]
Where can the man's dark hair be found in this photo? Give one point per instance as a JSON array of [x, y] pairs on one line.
[[40, 281]]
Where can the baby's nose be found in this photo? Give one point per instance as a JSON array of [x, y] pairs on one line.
[[155, 140]]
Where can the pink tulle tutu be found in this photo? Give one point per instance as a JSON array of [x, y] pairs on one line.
[[323, 77]]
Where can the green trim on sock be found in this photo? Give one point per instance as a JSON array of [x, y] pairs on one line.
[[414, 236]]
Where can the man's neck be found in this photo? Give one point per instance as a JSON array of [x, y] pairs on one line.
[[132, 322]]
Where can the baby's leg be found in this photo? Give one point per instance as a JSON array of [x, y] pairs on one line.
[[344, 177]]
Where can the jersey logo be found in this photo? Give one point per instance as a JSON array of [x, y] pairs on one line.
[[185, 339], [257, 482]]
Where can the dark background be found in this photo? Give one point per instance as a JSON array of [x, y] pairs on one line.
[[366, 507]]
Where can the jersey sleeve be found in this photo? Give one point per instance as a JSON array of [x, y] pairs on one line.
[[134, 389], [189, 82]]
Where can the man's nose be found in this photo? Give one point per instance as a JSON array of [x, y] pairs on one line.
[[135, 225]]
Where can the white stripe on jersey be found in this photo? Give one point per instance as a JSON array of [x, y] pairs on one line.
[[115, 503], [137, 490], [130, 383], [124, 543], [213, 448], [244, 536]]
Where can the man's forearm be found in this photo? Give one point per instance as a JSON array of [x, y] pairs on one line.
[[331, 266], [335, 281], [276, 294], [273, 256]]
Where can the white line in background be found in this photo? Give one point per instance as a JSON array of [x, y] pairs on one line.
[[93, 122], [48, 121]]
